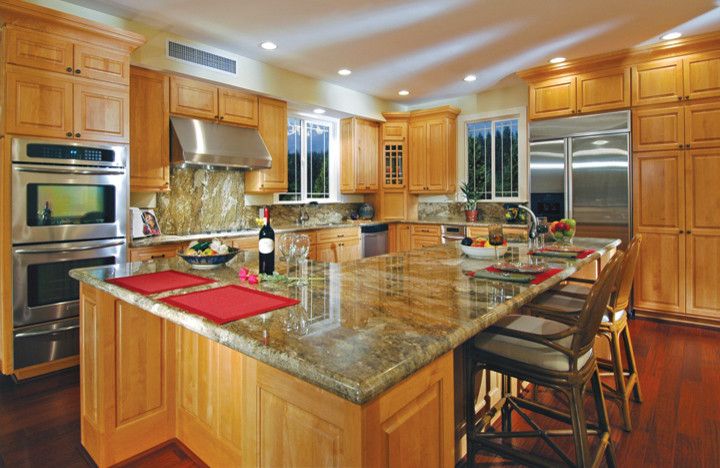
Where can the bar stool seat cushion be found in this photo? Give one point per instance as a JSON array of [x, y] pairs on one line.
[[575, 289], [528, 352], [566, 304]]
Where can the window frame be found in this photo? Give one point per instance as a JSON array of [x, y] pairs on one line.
[[519, 113], [333, 161]]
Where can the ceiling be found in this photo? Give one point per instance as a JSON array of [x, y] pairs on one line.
[[425, 46]]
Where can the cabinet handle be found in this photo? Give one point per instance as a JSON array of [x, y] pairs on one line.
[[680, 146], [78, 135], [687, 98], [68, 134], [222, 117], [687, 146], [157, 256], [77, 71], [69, 69], [680, 231], [680, 98], [340, 235], [688, 231]]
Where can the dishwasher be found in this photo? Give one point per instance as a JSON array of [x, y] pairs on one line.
[[374, 240]]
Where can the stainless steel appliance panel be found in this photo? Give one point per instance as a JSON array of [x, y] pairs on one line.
[[452, 233], [547, 179], [374, 240], [42, 289], [46, 342], [69, 153]]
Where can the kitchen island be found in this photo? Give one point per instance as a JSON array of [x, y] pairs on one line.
[[359, 373]]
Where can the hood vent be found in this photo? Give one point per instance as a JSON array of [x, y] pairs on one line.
[[202, 143], [201, 57]]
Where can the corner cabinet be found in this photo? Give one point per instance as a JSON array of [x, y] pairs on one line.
[[358, 156], [432, 139], [272, 125], [149, 131]]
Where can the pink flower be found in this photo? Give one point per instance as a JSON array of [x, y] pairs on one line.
[[253, 279], [243, 273]]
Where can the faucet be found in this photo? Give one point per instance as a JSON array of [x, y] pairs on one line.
[[303, 217], [532, 229]]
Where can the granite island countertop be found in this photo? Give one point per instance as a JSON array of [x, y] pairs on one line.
[[362, 326]]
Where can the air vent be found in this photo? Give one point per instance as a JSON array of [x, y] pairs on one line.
[[201, 57]]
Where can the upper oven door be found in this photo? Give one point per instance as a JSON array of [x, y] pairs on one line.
[[64, 203], [69, 153]]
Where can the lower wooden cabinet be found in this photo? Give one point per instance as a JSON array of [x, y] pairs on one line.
[[143, 254], [403, 241], [338, 251]]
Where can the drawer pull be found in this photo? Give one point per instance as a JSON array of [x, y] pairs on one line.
[[157, 256]]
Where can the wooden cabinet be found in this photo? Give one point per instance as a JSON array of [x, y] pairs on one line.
[[358, 156], [658, 128], [701, 75], [552, 98], [393, 165], [603, 90], [432, 158], [424, 235], [393, 205], [394, 131], [149, 131], [154, 252], [338, 245], [194, 98], [403, 242], [702, 125], [272, 125], [54, 53], [101, 112], [657, 82]]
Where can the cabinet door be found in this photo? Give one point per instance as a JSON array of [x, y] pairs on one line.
[[393, 206], [552, 98], [149, 130], [659, 215], [395, 131], [326, 252], [404, 240], [437, 156], [417, 142], [237, 107], [348, 149], [702, 125], [657, 82], [102, 112], [193, 98], [98, 63], [702, 75], [703, 232], [348, 250], [658, 129], [368, 156], [38, 104], [604, 90], [272, 125], [39, 50]]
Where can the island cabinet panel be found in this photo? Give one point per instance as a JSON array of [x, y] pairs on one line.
[[603, 90], [552, 98], [702, 75], [657, 82], [702, 125], [658, 128]]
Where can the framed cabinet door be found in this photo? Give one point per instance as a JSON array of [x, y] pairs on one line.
[[237, 107], [369, 156], [102, 112], [604, 90], [193, 98], [658, 129], [552, 98], [702, 75], [102, 64], [39, 50], [657, 82], [702, 125], [437, 156], [273, 127], [38, 103], [417, 163]]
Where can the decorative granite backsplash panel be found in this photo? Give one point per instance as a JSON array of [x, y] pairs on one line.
[[207, 200], [488, 212]]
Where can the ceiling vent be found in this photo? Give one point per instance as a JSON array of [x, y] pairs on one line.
[[202, 58]]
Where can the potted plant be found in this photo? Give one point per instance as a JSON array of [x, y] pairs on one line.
[[471, 198]]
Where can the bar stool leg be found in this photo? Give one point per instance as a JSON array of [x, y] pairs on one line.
[[619, 372], [603, 420], [469, 380], [632, 365], [580, 436]]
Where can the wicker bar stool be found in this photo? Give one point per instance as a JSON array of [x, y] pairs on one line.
[[551, 354], [564, 303]]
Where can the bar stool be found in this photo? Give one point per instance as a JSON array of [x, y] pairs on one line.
[[564, 303], [551, 354]]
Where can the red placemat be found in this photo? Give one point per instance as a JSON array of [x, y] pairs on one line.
[[539, 278], [229, 303], [580, 254], [153, 283]]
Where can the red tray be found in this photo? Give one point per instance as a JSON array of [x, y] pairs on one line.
[[153, 283]]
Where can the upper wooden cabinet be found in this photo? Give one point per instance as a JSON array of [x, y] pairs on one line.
[[394, 130], [358, 155], [658, 128], [552, 98], [194, 98], [657, 82], [272, 125], [603, 90], [102, 112], [149, 131], [432, 160], [702, 125], [58, 54], [701, 75]]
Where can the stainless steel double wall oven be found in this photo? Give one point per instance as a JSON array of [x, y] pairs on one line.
[[69, 210]]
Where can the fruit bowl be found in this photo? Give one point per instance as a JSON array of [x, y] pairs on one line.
[[209, 262], [483, 252]]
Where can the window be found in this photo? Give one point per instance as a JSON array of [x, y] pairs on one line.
[[495, 158], [311, 161]]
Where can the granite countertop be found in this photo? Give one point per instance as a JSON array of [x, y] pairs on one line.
[[362, 326], [172, 238]]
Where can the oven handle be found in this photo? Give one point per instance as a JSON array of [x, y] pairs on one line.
[[68, 249], [46, 332], [66, 170]]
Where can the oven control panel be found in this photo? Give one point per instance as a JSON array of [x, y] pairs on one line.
[[68, 152]]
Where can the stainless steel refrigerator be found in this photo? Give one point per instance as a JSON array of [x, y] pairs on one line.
[[580, 168]]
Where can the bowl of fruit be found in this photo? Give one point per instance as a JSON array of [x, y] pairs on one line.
[[563, 231], [206, 255], [481, 248]]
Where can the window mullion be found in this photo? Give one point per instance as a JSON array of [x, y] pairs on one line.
[[303, 161]]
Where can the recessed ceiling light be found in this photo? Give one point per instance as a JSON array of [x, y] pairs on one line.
[[600, 142], [670, 36], [344, 72], [267, 45], [470, 78], [557, 60], [403, 92], [319, 111]]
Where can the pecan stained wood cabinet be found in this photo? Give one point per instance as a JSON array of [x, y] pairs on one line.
[[195, 98], [359, 155], [432, 136], [272, 125], [686, 78]]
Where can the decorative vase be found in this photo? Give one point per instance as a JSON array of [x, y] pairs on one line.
[[471, 216]]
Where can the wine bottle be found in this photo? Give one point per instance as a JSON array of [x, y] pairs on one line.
[[266, 245]]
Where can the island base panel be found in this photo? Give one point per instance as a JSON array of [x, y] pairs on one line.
[[145, 381]]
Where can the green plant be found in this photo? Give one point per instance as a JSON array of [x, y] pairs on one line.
[[471, 196]]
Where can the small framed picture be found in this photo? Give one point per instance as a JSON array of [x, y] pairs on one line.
[[151, 227]]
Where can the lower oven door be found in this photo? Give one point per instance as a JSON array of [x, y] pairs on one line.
[[42, 289], [36, 344]]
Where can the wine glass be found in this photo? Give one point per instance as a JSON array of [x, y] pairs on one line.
[[301, 246], [542, 230], [496, 237], [285, 245]]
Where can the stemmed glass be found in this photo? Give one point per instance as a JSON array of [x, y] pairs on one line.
[[496, 237], [542, 230], [285, 245], [301, 246]]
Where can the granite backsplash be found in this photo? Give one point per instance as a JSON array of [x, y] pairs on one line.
[[207, 200], [488, 212]]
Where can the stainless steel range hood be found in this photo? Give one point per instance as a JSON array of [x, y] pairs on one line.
[[201, 143]]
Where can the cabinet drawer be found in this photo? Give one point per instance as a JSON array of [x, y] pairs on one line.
[[477, 231], [143, 254], [423, 241], [425, 230], [329, 235], [244, 243]]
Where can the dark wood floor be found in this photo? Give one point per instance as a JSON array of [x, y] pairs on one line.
[[678, 424]]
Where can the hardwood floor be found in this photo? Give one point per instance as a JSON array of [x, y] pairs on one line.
[[678, 423]]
